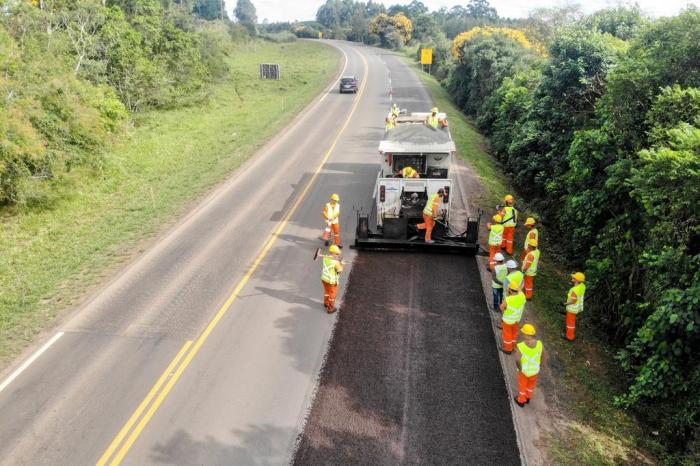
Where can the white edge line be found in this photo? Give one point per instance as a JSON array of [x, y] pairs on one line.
[[29, 361]]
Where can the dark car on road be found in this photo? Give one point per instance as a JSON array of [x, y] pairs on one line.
[[348, 84]]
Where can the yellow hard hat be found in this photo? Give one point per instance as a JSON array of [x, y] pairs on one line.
[[434, 109], [530, 221], [335, 197], [498, 218], [532, 242], [514, 285], [509, 198], [528, 329], [334, 249], [579, 277]]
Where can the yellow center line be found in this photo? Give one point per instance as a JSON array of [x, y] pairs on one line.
[[224, 308], [122, 433]]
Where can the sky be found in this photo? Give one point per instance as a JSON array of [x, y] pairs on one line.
[[290, 10]]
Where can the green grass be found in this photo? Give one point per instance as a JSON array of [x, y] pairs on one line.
[[53, 250], [594, 430]]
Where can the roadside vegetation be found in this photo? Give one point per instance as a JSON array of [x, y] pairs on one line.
[[92, 162], [594, 120]]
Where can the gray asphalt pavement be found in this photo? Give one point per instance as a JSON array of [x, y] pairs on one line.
[[243, 395]]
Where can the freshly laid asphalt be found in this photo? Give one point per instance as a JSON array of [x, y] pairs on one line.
[[243, 396]]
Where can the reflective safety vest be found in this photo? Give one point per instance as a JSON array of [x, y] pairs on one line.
[[532, 234], [332, 214], [533, 256], [390, 124], [496, 234], [430, 206], [433, 121], [510, 216], [408, 172], [395, 110], [329, 273], [515, 305], [516, 277], [578, 290], [500, 272], [530, 359]]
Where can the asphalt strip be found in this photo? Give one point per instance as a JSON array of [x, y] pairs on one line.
[[412, 375]]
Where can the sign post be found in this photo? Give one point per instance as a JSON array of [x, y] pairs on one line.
[[426, 58]]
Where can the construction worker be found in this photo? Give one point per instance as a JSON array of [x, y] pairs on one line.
[[390, 122], [408, 172], [574, 304], [512, 307], [433, 121], [430, 213], [514, 275], [495, 238], [510, 219], [330, 276], [498, 276], [529, 357], [395, 111], [532, 233], [331, 214], [532, 260]]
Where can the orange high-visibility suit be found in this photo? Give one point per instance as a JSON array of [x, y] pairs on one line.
[[431, 210], [331, 213]]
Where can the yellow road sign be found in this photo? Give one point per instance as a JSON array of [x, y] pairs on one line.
[[426, 56]]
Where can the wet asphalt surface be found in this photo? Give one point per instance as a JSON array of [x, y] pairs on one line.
[[412, 374]]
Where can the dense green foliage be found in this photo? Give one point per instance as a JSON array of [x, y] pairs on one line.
[[73, 71], [602, 134]]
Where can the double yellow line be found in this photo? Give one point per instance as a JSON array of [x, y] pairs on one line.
[[131, 431]]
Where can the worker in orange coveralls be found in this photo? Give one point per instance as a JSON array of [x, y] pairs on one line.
[[532, 261], [430, 213], [529, 357], [532, 233], [331, 214], [510, 220], [574, 304], [513, 307], [495, 238], [330, 277]]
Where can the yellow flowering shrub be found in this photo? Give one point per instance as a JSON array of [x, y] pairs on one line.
[[515, 34]]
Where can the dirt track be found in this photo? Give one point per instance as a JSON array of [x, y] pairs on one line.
[[412, 375]]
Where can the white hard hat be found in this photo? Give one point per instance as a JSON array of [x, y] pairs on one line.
[[511, 264], [498, 256]]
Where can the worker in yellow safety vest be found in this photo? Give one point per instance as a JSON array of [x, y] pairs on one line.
[[574, 304], [510, 220], [430, 213], [514, 275], [532, 233], [532, 260], [390, 122], [529, 358], [408, 172], [498, 277], [330, 277], [331, 215], [513, 307], [433, 121], [495, 238], [395, 111]]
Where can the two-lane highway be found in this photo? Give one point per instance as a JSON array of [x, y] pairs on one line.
[[206, 349]]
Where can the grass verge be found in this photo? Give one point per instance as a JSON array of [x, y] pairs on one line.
[[590, 429], [54, 249]]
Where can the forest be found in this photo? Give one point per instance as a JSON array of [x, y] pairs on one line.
[[595, 118]]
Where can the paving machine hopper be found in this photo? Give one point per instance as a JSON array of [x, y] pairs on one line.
[[399, 201]]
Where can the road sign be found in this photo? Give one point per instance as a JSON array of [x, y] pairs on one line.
[[426, 56], [269, 71]]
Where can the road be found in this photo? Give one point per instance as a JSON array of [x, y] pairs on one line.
[[207, 348]]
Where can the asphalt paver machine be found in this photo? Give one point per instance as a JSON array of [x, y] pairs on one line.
[[399, 202]]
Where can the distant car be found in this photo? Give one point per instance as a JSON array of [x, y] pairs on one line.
[[348, 84]]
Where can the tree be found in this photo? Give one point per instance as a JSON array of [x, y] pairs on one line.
[[481, 9], [393, 31], [209, 9], [425, 28], [246, 15], [623, 22], [82, 22]]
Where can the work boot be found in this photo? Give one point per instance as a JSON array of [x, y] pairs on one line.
[[564, 337], [429, 241], [504, 351], [327, 243], [340, 246], [522, 405], [331, 310]]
